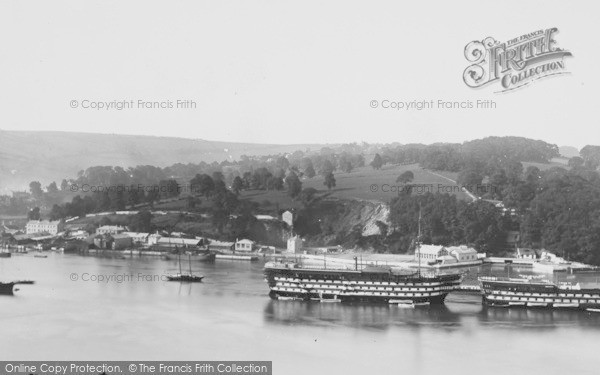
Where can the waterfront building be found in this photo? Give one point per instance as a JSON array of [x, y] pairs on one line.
[[295, 245], [463, 253], [153, 239], [139, 238], [430, 253], [172, 243], [121, 241], [100, 241], [79, 234], [44, 226], [244, 245], [110, 229], [525, 253]]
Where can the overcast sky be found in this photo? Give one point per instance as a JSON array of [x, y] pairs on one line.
[[289, 72]]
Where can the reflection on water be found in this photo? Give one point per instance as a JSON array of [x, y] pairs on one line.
[[370, 316], [538, 318], [446, 317], [229, 316]]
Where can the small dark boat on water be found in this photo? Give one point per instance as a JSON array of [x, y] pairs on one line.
[[185, 278], [8, 288], [181, 277], [5, 255]]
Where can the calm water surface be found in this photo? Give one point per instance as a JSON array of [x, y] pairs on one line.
[[230, 317]]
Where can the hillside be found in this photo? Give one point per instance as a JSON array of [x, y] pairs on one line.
[[52, 156]]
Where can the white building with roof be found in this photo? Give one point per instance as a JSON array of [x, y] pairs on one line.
[[178, 241], [244, 245], [295, 245], [138, 237], [430, 253], [288, 218], [40, 226], [110, 229], [463, 253]]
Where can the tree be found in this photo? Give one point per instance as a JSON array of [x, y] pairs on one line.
[[168, 188], [377, 162], [57, 212], [64, 185], [532, 174], [576, 162], [237, 185], [469, 179], [591, 156], [308, 196], [514, 170], [327, 167], [294, 185], [282, 162], [142, 222], [202, 184], [329, 181], [52, 188], [405, 177], [345, 162], [34, 214], [218, 176], [274, 183], [220, 187], [35, 187], [310, 171]]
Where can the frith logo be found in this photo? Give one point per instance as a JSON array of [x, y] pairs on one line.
[[515, 63]]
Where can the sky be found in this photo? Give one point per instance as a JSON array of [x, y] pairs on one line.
[[289, 71]]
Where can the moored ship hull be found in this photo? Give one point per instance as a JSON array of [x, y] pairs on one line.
[[6, 288], [368, 285], [504, 292]]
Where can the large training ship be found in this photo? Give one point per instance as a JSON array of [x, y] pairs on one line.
[[530, 292], [369, 284]]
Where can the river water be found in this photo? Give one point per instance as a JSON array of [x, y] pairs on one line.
[[68, 315]]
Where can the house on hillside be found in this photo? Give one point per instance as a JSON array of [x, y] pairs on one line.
[[110, 229], [288, 218], [265, 217], [45, 226], [78, 234]]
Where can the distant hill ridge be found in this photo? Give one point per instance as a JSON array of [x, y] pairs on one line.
[[51, 155]]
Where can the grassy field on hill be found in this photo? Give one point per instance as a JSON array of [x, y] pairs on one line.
[[380, 185]]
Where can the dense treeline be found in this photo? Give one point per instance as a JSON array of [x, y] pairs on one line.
[[447, 221], [482, 155], [556, 209], [564, 215]]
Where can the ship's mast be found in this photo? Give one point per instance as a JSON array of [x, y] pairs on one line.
[[419, 242], [178, 258]]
